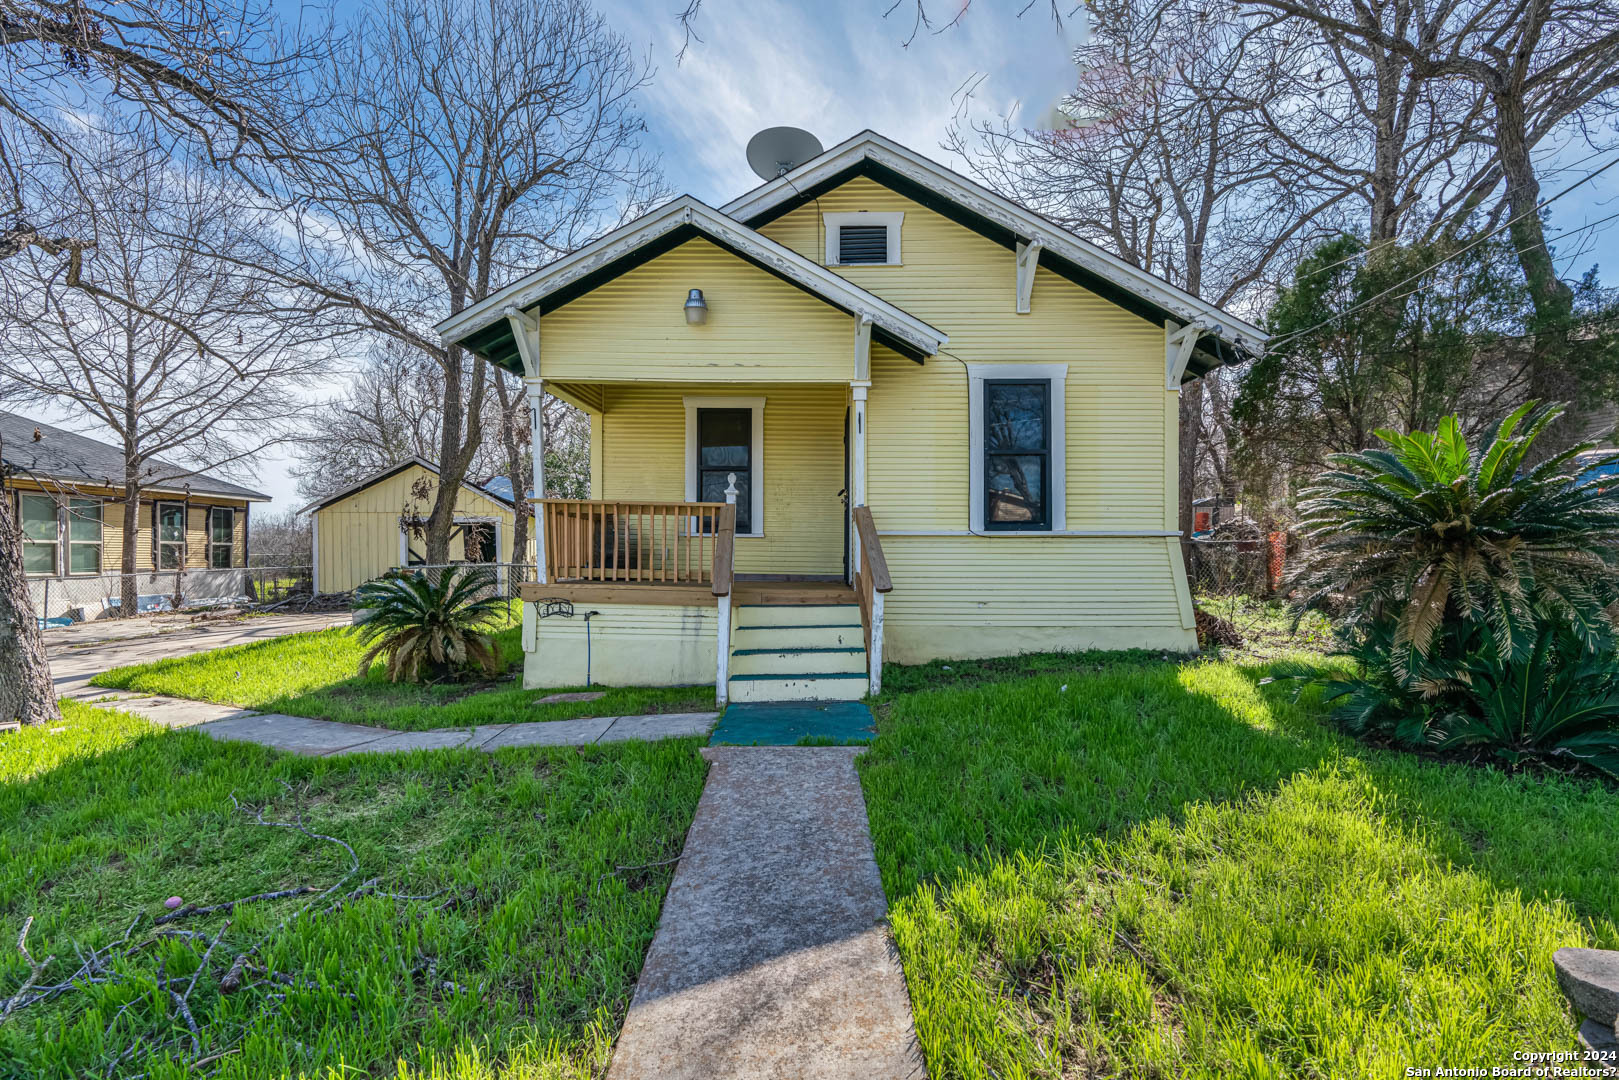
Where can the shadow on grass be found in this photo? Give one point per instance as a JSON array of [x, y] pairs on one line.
[[511, 858], [1139, 867]]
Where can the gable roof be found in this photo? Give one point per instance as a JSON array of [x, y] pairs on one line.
[[395, 470], [1000, 219], [485, 330], [68, 458]]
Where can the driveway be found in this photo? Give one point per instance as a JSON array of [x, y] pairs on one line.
[[75, 658]]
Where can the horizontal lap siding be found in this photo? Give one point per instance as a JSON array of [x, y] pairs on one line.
[[759, 329], [628, 645], [643, 459], [112, 524], [1118, 445]]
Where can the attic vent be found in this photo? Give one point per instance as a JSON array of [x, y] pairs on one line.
[[863, 244]]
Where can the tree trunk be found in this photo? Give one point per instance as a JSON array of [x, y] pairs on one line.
[[511, 441], [26, 691], [459, 436], [1191, 417], [1552, 298], [128, 582]]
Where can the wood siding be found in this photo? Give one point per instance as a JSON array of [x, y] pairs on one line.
[[358, 537], [643, 457], [759, 329]]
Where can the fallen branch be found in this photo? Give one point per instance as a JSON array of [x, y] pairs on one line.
[[193, 909], [35, 969]]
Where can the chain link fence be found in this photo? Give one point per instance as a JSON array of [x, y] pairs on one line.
[[63, 601], [1244, 567]]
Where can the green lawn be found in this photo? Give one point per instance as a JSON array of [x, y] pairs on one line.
[[313, 675], [521, 959], [1121, 866]]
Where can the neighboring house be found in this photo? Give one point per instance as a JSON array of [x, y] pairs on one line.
[[1212, 511], [365, 530], [952, 426], [67, 493]]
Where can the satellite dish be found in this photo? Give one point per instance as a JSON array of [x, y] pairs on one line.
[[779, 150]]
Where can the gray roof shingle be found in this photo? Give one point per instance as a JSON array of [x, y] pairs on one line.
[[73, 459]]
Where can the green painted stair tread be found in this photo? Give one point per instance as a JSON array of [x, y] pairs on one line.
[[806, 649], [802, 677]]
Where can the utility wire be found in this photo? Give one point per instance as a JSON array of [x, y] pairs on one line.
[[1272, 345]]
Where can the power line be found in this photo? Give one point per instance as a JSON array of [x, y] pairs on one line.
[[1270, 346]]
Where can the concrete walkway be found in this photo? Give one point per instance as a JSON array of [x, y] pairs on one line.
[[327, 738], [772, 957]]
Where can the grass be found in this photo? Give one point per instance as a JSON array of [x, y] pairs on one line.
[[1120, 866], [313, 674], [538, 911]]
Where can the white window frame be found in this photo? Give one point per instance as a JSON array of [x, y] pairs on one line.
[[99, 543], [1057, 376], [230, 560], [55, 544], [157, 535], [831, 223], [757, 452]]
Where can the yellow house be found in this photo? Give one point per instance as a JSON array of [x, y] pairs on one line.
[[66, 491], [371, 527], [867, 412]]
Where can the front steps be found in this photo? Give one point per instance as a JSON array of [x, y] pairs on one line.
[[798, 652]]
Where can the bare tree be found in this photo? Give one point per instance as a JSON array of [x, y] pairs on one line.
[[187, 358], [460, 145], [26, 692], [281, 539]]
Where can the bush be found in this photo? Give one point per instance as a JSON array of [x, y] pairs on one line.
[[435, 629], [1479, 593]]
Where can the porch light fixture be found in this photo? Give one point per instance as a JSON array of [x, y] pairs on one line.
[[696, 308]]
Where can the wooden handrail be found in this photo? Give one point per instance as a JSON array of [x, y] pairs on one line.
[[620, 541], [871, 550], [724, 549]]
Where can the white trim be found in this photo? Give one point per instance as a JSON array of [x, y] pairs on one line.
[[1057, 375], [1028, 260], [1092, 533], [832, 240], [404, 547], [685, 211], [985, 203], [314, 554], [757, 453]]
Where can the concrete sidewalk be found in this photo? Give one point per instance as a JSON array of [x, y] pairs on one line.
[[326, 738], [772, 956]]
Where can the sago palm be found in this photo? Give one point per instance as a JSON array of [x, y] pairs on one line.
[[442, 625], [1427, 526]]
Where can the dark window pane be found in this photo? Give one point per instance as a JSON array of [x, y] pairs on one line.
[[171, 524], [1015, 417], [863, 244], [724, 437], [1016, 486], [168, 556], [220, 557], [713, 482]]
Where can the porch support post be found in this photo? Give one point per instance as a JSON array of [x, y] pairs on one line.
[[534, 387], [857, 480], [722, 651]]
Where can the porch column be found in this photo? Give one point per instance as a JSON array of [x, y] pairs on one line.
[[534, 387], [857, 479]]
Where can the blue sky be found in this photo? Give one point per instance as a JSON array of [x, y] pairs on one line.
[[839, 66]]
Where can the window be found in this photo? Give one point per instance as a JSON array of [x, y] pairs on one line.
[[725, 448], [870, 239], [1017, 454], [171, 536], [725, 435], [478, 541], [84, 536], [39, 533], [1016, 427], [221, 537]]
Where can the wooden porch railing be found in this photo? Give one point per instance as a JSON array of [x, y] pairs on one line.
[[872, 585], [598, 540]]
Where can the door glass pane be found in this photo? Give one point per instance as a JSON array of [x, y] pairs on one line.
[[39, 518], [724, 438], [1016, 485], [1015, 417], [39, 558], [84, 559], [84, 520]]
